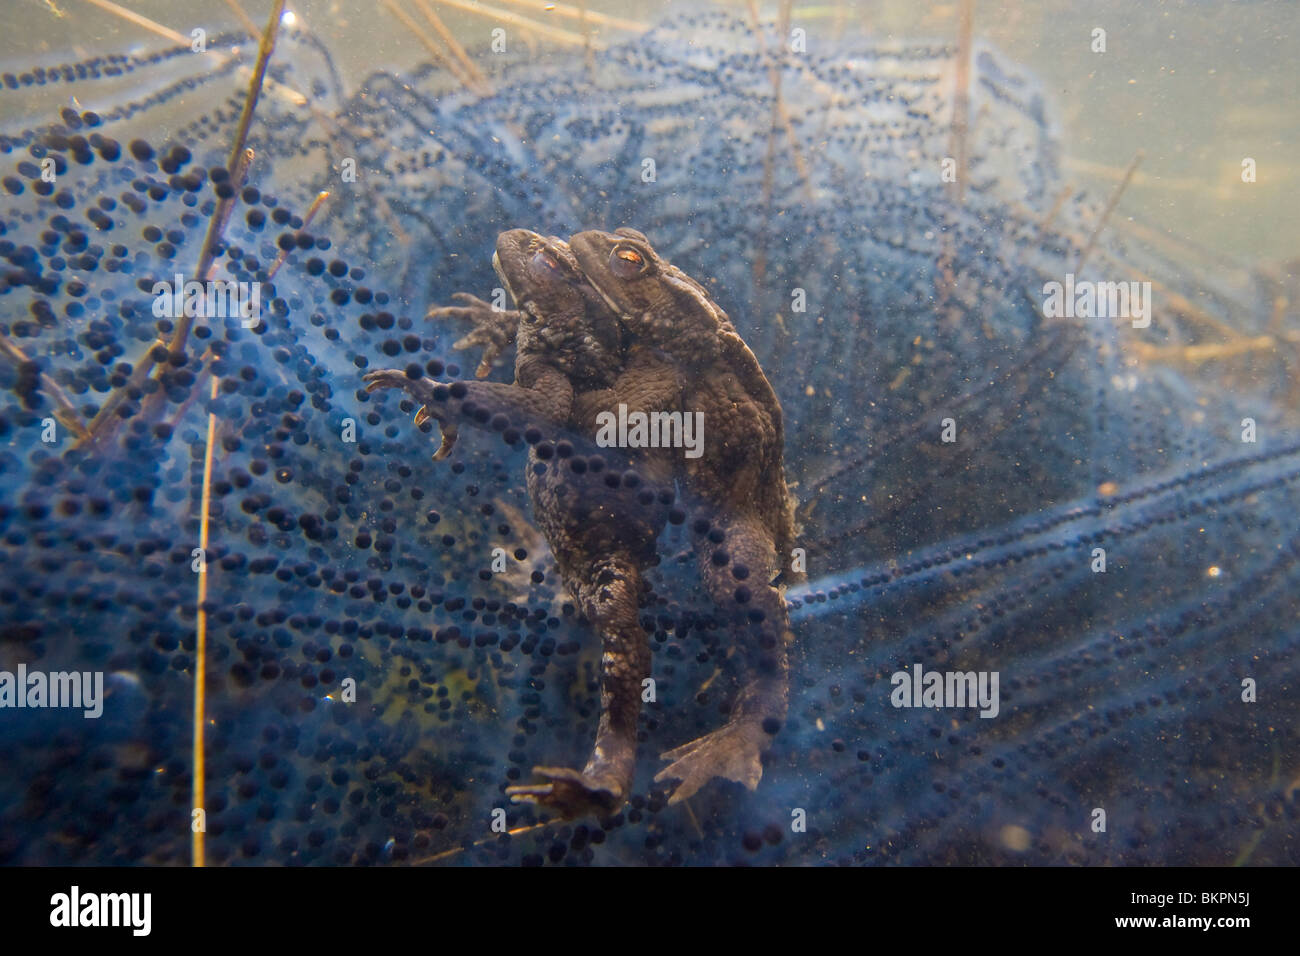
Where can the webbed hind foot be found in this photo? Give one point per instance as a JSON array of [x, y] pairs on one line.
[[733, 751], [571, 793]]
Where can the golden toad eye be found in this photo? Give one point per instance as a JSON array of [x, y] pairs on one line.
[[626, 263]]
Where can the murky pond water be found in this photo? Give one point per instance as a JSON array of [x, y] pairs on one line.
[[1038, 371]]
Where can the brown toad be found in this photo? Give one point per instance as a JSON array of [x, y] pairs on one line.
[[600, 512], [745, 525]]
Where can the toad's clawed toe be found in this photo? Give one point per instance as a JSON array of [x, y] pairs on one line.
[[420, 389], [385, 378], [569, 793], [734, 751]]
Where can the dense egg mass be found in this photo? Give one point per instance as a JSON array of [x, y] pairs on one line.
[[375, 680]]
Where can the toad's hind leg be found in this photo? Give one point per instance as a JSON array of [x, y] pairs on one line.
[[607, 595], [736, 574]]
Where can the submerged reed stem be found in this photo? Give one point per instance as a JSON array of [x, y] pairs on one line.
[[239, 159], [63, 408], [1110, 207], [945, 278], [566, 37], [440, 58], [199, 782], [477, 78]]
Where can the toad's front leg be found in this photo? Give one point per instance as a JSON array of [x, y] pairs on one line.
[[495, 329], [491, 406]]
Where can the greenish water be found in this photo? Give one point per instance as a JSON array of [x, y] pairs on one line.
[[1196, 86]]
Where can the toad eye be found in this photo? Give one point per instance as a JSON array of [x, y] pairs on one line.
[[626, 262], [544, 264]]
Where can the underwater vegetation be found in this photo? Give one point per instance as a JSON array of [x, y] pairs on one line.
[[966, 462]]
